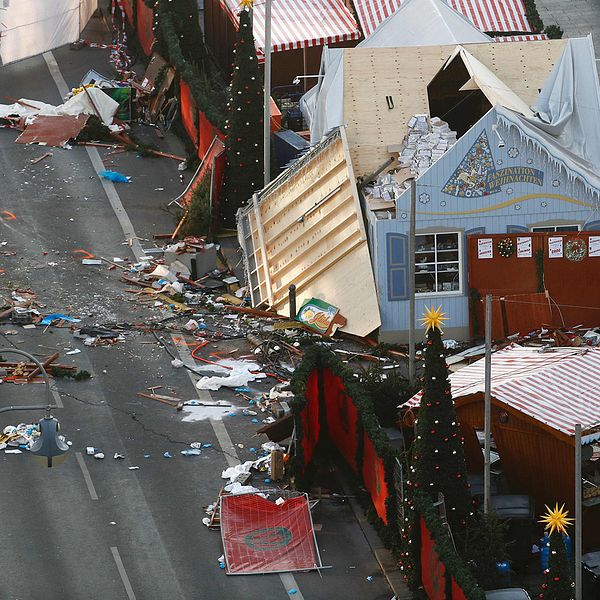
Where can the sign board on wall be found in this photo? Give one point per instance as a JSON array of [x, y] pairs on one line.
[[485, 248], [594, 243], [555, 247], [524, 249]]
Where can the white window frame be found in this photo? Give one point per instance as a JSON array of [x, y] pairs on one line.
[[459, 238], [540, 228]]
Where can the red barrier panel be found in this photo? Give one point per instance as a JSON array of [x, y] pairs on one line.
[[373, 473], [310, 417], [342, 417], [457, 593], [261, 537], [432, 569], [207, 132], [189, 113], [145, 20]]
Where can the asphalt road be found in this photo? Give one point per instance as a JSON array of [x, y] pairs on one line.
[[94, 529]]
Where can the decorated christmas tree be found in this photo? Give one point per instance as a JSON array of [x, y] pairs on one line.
[[439, 461], [559, 583], [244, 129]]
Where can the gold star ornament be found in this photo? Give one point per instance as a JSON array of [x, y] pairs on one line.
[[433, 318], [556, 519], [247, 4]]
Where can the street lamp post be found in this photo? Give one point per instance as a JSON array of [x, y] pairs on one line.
[[48, 444], [267, 96]]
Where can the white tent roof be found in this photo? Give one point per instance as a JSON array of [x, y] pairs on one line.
[[424, 23], [415, 23]]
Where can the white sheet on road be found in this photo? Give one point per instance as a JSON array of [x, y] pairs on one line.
[[31, 27], [95, 101]]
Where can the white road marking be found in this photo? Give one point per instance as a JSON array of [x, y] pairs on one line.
[[122, 572], [231, 455], [218, 426], [109, 187], [86, 476]]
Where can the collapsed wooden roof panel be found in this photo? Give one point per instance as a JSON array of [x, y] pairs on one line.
[[308, 231], [371, 74]]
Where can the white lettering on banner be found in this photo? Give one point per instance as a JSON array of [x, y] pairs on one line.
[[485, 248], [555, 247], [594, 243], [524, 247]]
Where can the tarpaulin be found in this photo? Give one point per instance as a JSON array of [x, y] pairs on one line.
[[432, 569], [145, 21], [189, 112], [373, 473], [341, 417], [260, 536], [310, 417]]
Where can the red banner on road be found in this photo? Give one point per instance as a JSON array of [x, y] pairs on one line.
[[261, 537]]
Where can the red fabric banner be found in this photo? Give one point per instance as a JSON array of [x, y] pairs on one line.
[[207, 133], [145, 20], [261, 537], [457, 593], [373, 473], [432, 569], [342, 417], [310, 417], [216, 150], [128, 7], [189, 112]]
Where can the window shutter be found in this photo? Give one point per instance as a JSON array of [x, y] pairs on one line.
[[397, 266], [516, 229]]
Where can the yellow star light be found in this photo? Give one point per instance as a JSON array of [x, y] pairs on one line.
[[556, 519], [247, 4], [433, 318]]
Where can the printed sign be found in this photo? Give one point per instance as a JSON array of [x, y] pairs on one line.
[[555, 247], [524, 247], [477, 175], [485, 248], [320, 316], [594, 242]]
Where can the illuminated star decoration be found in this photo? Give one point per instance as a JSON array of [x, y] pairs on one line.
[[247, 4], [433, 318], [556, 519]]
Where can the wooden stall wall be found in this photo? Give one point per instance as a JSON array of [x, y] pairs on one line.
[[521, 189]]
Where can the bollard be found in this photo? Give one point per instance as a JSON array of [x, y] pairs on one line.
[[292, 300]]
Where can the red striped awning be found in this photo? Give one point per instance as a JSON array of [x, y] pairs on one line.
[[558, 387], [299, 23], [535, 37], [486, 15]]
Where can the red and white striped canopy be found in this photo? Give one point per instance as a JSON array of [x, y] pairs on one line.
[[558, 387], [534, 37], [486, 15], [299, 23]]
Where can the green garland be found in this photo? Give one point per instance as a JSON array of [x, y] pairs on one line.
[[318, 357], [444, 547]]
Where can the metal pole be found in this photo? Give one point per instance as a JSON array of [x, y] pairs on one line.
[[411, 283], [487, 497], [267, 98], [578, 513], [292, 301]]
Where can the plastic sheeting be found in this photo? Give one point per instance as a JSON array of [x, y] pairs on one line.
[[93, 102], [31, 27]]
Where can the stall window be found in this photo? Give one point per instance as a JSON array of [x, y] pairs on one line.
[[438, 263], [555, 228]]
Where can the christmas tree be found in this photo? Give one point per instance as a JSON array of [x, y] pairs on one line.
[[559, 583], [439, 461], [244, 146]]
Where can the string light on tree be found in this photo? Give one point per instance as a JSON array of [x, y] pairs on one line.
[[559, 583]]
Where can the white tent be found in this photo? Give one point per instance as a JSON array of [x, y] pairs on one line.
[[31, 27], [415, 23]]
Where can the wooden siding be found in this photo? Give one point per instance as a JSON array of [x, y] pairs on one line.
[[371, 74], [516, 207]]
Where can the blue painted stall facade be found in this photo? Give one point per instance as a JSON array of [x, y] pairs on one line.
[[493, 180]]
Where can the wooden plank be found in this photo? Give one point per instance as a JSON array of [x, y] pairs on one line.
[[261, 241]]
